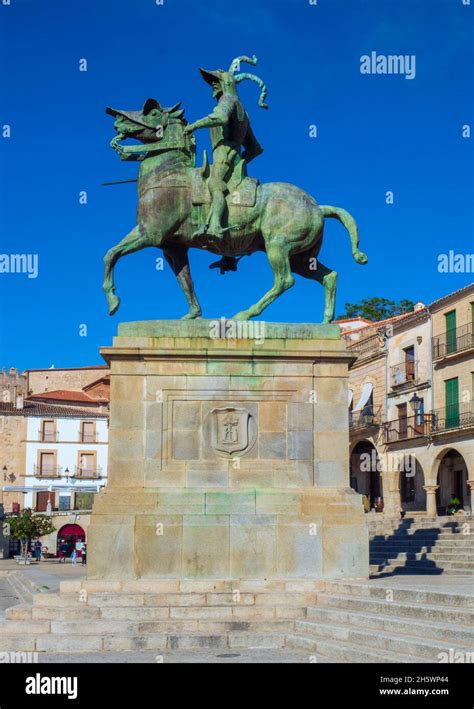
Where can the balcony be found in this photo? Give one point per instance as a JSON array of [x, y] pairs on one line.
[[85, 473], [403, 429], [85, 437], [366, 418], [367, 348], [47, 471], [453, 416], [453, 341], [404, 373], [48, 436]]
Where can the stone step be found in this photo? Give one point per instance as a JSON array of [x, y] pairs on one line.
[[107, 600], [393, 642], [442, 556], [411, 595], [345, 652], [158, 586], [414, 627], [166, 641], [422, 533], [457, 545], [428, 563], [417, 571], [398, 609], [158, 627], [237, 613]]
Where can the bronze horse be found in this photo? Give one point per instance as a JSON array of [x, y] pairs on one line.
[[285, 222]]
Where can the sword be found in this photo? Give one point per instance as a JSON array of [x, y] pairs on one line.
[[119, 182]]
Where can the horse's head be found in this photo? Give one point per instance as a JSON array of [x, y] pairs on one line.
[[152, 124]]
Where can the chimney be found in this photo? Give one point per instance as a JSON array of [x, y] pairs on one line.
[[17, 399]]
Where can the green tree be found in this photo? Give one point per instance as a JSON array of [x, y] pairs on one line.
[[376, 309], [28, 526]]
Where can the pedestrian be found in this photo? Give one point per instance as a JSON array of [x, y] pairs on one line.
[[38, 550], [84, 554], [74, 557], [63, 550]]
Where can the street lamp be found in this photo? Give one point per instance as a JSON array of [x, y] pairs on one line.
[[415, 402]]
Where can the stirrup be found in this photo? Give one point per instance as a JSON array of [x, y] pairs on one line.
[[201, 231]]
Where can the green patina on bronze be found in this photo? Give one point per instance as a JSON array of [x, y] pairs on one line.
[[219, 208]]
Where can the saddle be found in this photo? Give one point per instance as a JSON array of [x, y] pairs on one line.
[[242, 190]]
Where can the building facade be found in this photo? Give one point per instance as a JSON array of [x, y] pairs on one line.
[[412, 423], [53, 452]]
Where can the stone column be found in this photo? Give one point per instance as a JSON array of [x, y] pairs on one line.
[[391, 494], [430, 490]]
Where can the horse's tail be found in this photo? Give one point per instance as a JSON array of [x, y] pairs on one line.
[[349, 222]]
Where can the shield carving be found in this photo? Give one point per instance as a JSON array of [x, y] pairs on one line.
[[230, 431]]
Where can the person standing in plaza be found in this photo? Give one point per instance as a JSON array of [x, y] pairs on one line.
[[63, 550]]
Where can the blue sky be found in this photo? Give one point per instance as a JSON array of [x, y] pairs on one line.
[[375, 133]]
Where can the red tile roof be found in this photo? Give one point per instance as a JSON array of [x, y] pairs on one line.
[[37, 408], [64, 395]]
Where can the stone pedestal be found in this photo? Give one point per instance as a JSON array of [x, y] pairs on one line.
[[228, 456]]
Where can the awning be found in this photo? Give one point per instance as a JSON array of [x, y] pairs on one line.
[[52, 488], [365, 396], [351, 396]]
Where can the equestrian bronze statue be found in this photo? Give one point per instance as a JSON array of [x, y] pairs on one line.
[[218, 207]]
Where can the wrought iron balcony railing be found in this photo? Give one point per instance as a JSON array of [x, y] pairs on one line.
[[451, 341], [366, 418], [47, 471], [85, 437], [414, 426], [459, 415], [404, 373], [47, 436], [93, 472]]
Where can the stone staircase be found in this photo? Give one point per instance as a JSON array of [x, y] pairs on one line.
[[360, 622], [356, 621], [118, 616], [422, 545]]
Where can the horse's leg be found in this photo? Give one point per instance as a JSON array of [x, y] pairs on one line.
[[177, 257], [302, 264], [277, 254], [134, 241]]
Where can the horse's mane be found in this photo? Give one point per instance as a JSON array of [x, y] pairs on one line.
[[176, 114]]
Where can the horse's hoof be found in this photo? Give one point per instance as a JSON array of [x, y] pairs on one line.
[[360, 257], [192, 315], [114, 304], [243, 315]]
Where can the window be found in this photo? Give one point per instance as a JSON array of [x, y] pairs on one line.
[[42, 500], [47, 463], [88, 432], [48, 431], [451, 398], [84, 500], [402, 420], [64, 502], [450, 321], [87, 467], [409, 364]]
